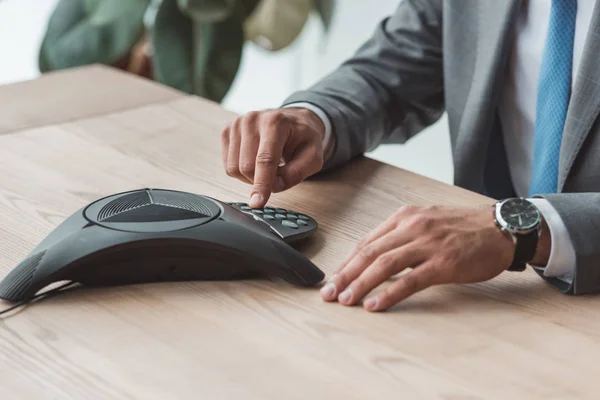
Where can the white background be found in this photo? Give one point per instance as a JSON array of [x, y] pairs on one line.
[[265, 78]]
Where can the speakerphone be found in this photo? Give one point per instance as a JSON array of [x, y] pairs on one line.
[[154, 235]]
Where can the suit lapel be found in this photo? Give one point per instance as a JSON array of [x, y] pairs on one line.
[[494, 27], [584, 106]]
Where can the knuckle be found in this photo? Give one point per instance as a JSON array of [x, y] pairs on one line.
[[252, 116], [403, 212], [385, 264], [362, 243], [408, 209], [411, 283], [275, 118], [367, 253], [266, 158], [420, 222], [249, 126], [247, 168], [438, 235], [386, 297], [341, 279], [359, 286], [261, 187], [432, 209], [231, 170]]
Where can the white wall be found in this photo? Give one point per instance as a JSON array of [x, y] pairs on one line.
[[22, 25], [265, 79]]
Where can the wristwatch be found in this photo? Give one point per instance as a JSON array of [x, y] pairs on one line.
[[521, 221]]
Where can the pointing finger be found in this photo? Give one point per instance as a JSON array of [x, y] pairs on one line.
[[268, 156]]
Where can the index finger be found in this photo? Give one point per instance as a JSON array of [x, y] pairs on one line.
[[268, 156]]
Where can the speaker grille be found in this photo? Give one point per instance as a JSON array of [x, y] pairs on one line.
[[123, 204], [17, 282], [152, 210], [185, 201]]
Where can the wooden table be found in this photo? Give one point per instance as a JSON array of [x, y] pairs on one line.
[[71, 137]]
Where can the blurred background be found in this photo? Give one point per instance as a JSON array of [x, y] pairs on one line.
[[264, 77]]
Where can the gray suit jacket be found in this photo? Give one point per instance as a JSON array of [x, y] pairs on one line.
[[433, 56]]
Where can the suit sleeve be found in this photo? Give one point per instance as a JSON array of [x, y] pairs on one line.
[[580, 213], [390, 89]]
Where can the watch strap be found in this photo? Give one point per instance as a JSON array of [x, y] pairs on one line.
[[525, 248]]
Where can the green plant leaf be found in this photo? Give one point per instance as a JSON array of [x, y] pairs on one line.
[[82, 32], [198, 57]]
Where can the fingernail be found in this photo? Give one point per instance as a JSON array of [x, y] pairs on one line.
[[255, 200], [371, 303], [328, 291], [279, 184], [345, 296]]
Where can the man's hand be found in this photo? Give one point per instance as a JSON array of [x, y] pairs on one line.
[[440, 245], [254, 145]]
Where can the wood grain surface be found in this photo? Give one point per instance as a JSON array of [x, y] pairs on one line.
[[514, 337], [73, 94]]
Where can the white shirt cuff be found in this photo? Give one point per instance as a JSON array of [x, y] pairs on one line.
[[327, 138], [561, 263]]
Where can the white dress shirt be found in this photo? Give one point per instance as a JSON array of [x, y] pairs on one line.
[[517, 109]]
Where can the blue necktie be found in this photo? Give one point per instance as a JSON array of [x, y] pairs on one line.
[[554, 90]]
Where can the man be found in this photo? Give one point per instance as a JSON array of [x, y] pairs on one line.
[[520, 81]]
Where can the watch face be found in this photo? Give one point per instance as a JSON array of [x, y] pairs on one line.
[[519, 214]]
